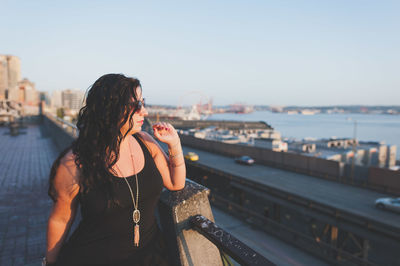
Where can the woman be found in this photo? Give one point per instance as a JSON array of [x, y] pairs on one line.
[[115, 172]]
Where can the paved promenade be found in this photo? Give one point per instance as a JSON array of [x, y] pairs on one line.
[[25, 162]]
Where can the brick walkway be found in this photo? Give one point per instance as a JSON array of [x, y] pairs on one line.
[[25, 162]]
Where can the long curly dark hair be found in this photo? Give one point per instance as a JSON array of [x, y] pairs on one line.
[[110, 103]]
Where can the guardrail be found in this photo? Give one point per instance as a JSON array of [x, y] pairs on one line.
[[226, 242], [67, 126]]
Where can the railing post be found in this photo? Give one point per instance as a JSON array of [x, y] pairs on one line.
[[14, 129], [187, 246]]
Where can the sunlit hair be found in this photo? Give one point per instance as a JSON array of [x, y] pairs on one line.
[[109, 105]]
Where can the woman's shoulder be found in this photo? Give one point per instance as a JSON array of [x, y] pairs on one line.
[[67, 172], [146, 137], [151, 144], [68, 158]]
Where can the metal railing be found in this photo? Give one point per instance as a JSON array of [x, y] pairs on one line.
[[67, 126], [227, 243]]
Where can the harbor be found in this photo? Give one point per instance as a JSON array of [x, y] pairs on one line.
[[371, 139]]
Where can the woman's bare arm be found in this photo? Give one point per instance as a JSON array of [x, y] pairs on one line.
[[173, 171], [64, 209]]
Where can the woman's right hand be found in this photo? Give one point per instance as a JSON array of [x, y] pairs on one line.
[[166, 133]]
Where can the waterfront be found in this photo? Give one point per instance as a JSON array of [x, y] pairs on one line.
[[370, 127]]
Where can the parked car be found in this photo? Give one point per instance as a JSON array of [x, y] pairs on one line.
[[392, 204], [244, 160], [192, 156]]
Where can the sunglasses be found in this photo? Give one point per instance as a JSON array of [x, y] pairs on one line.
[[138, 105]]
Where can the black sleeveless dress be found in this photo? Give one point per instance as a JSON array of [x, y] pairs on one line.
[[105, 234]]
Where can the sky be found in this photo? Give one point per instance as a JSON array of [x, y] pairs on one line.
[[308, 53]]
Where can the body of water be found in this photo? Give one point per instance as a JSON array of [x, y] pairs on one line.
[[370, 127]]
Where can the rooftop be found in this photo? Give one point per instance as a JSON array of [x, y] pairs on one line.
[[24, 204]]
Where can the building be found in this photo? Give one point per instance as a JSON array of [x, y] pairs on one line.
[[56, 99], [10, 76], [27, 92], [366, 153], [14, 71], [271, 144], [72, 99], [3, 77]]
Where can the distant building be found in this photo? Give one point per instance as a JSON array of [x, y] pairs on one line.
[[72, 99], [362, 153], [27, 92], [302, 147], [56, 99], [391, 156], [3, 77], [271, 143], [10, 75], [14, 71]]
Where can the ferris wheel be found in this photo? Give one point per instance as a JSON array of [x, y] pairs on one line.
[[195, 104]]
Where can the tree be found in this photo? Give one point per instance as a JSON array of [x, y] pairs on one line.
[[60, 112]]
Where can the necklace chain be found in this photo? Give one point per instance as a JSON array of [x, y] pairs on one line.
[[135, 203], [136, 212]]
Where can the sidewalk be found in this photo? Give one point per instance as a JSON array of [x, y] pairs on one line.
[[24, 205]]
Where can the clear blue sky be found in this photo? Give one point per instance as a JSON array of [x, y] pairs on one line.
[[256, 52]]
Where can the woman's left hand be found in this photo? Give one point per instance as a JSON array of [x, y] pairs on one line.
[[166, 133]]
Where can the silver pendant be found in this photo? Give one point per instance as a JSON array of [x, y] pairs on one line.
[[136, 216]]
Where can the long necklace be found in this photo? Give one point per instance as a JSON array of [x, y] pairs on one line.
[[136, 212]]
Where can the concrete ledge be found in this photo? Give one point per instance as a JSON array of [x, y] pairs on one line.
[[60, 136], [187, 246]]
